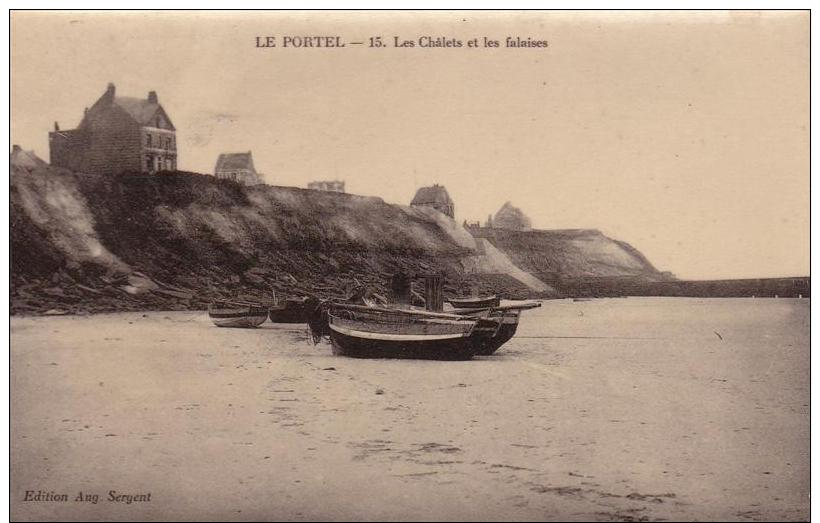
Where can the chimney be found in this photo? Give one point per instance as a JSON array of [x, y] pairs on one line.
[[15, 148], [152, 97], [110, 91], [56, 126]]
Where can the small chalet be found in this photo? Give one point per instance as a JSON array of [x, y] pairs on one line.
[[436, 197], [237, 167], [330, 186], [511, 218]]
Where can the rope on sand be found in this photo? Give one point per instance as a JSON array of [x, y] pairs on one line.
[[586, 338]]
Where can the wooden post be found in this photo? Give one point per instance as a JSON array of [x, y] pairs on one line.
[[400, 287], [433, 293]]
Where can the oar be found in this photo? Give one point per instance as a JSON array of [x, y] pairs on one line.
[[514, 307]]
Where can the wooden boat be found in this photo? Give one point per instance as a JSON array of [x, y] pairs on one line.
[[375, 332], [475, 303], [237, 314], [503, 320], [292, 310], [505, 324]]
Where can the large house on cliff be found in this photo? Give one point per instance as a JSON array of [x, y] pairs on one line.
[[117, 134], [436, 197]]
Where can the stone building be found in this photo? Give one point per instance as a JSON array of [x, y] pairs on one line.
[[510, 217], [330, 186], [117, 134], [237, 167], [436, 197]]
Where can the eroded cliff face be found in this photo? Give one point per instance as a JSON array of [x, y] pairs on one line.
[[97, 243], [574, 253], [577, 262]]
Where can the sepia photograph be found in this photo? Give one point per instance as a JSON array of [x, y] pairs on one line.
[[428, 265]]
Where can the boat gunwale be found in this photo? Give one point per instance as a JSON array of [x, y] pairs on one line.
[[479, 302], [407, 312], [386, 336]]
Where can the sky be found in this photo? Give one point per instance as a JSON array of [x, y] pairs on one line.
[[685, 134]]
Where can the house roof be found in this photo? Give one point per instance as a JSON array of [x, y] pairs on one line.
[[144, 111], [511, 217], [433, 194], [234, 161], [139, 109]]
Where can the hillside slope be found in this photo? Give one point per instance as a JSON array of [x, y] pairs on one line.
[[576, 262], [570, 253], [93, 243]]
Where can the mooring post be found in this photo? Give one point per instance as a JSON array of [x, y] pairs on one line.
[[433, 292], [400, 288]]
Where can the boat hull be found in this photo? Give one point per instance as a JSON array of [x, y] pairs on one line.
[[239, 317], [429, 341], [494, 330], [356, 347], [487, 346], [288, 315]]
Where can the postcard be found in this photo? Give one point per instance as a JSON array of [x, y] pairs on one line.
[[409, 265]]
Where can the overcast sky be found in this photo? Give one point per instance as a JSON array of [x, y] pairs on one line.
[[684, 134]]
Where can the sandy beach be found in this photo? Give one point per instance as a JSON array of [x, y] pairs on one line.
[[613, 410]]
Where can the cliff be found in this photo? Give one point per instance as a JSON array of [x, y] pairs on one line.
[[101, 243], [575, 262], [570, 253]]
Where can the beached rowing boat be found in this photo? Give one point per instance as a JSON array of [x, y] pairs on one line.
[[240, 315], [504, 319], [505, 324], [374, 332], [292, 310], [381, 332]]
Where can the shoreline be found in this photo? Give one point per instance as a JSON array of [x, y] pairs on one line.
[[542, 300]]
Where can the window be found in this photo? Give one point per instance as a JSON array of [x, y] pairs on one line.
[[148, 140], [148, 163]]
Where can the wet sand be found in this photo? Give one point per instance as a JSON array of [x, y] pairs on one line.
[[620, 409]]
